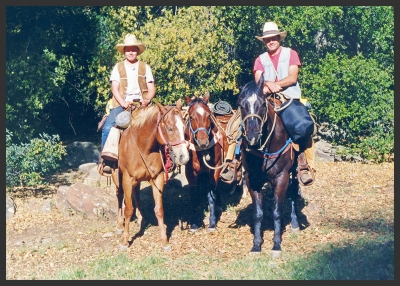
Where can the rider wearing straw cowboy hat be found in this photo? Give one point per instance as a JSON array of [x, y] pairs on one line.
[[131, 80], [283, 78]]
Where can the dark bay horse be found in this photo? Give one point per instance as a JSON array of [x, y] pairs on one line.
[[207, 144], [268, 156], [155, 134]]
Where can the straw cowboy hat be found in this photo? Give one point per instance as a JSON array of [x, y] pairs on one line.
[[130, 40], [270, 30]]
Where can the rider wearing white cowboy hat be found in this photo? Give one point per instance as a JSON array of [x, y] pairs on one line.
[[271, 30], [130, 40], [280, 68], [131, 80]]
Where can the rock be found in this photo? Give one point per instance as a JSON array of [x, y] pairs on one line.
[[91, 202], [47, 206], [84, 168], [10, 207], [79, 153], [324, 151]]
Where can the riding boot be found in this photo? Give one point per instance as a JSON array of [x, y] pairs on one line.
[[104, 167], [304, 172]]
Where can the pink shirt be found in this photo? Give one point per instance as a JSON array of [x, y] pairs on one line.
[[294, 60]]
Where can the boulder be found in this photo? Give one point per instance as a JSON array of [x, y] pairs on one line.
[[10, 206], [91, 202], [79, 153]]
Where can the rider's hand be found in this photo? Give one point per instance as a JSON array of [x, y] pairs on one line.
[[126, 104], [272, 87], [145, 102]]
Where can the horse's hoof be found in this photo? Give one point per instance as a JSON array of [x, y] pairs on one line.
[[276, 253], [255, 250], [255, 253], [194, 228], [295, 230], [167, 248], [211, 229], [123, 247], [119, 231]]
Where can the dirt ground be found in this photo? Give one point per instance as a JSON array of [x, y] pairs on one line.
[[344, 203]]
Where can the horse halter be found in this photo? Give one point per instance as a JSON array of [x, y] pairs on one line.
[[263, 120], [166, 141], [200, 128]]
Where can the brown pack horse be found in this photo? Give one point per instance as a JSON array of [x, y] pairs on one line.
[[268, 156], [207, 144], [155, 134]]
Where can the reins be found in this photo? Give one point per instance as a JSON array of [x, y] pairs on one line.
[[277, 109]]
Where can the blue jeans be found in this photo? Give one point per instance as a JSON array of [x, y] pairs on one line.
[[110, 122]]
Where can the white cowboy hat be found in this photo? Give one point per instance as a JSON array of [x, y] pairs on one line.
[[270, 30], [130, 40]]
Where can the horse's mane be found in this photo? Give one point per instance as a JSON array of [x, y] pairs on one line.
[[198, 99], [251, 88], [142, 115]]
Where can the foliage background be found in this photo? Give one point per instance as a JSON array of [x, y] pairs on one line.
[[59, 58]]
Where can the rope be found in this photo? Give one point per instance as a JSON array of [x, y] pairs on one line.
[[232, 128], [222, 108]]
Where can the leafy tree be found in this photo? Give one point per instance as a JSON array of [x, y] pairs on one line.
[[190, 52], [47, 57]]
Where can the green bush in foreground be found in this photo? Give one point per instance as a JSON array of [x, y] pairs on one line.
[[27, 163]]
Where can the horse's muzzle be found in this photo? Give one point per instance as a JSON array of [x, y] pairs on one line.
[[254, 140]]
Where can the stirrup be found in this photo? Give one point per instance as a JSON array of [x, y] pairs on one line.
[[229, 172], [103, 169], [300, 173]]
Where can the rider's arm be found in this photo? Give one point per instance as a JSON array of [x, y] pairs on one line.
[[117, 95]]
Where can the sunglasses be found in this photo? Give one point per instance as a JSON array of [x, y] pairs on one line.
[[267, 40]]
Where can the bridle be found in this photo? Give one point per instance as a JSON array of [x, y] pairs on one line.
[[200, 128], [163, 134], [251, 115], [169, 152]]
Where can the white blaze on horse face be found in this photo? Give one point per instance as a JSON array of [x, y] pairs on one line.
[[252, 99], [181, 151], [200, 111], [181, 127]]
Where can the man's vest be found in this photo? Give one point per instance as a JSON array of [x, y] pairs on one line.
[[270, 73], [123, 83]]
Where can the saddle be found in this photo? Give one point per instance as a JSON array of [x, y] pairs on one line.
[[232, 171]]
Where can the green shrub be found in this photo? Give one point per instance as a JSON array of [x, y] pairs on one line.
[[355, 96], [27, 163]]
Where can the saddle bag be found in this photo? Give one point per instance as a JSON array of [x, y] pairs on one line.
[[297, 120]]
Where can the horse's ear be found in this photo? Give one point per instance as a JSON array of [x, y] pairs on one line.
[[160, 106], [188, 100], [179, 104], [260, 82], [206, 97]]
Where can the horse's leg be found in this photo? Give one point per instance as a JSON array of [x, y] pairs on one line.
[[128, 184], [138, 213], [120, 197], [256, 197], [212, 197], [293, 195], [245, 183], [212, 202], [280, 185], [158, 188]]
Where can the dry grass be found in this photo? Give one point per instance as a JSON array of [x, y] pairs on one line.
[[348, 201]]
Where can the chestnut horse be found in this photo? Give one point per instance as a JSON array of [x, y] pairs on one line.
[[207, 144], [155, 134], [268, 156]]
